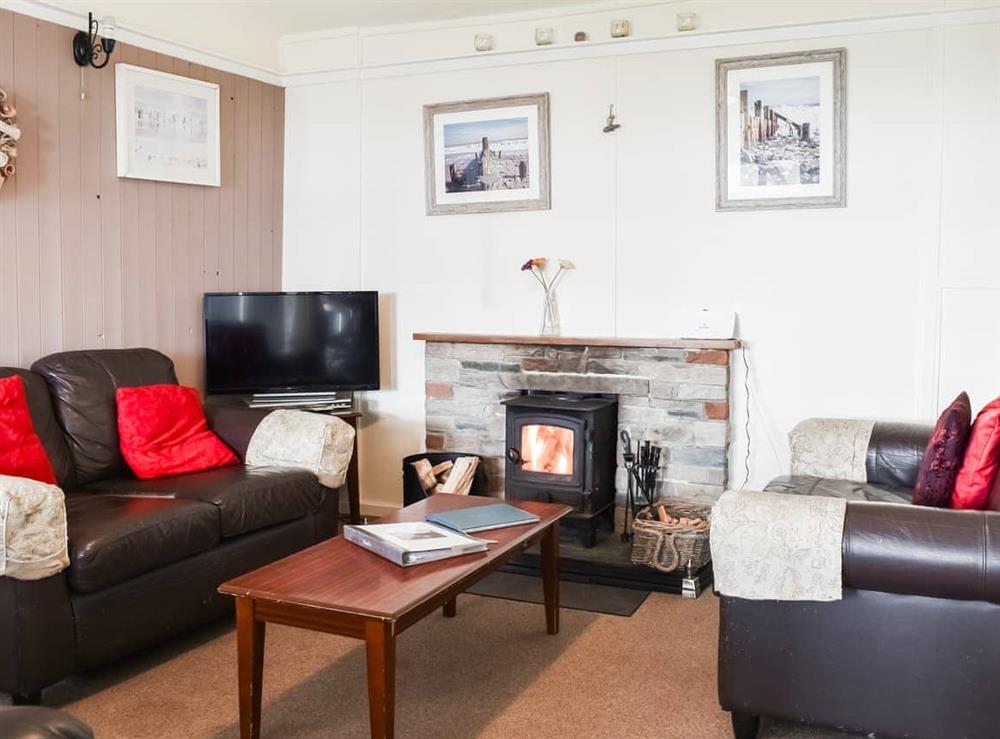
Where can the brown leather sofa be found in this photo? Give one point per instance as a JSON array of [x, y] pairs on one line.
[[146, 556], [911, 650]]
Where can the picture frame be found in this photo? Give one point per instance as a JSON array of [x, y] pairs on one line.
[[167, 127], [487, 156], [781, 131]]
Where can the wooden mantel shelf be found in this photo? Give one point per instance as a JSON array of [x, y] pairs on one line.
[[725, 344]]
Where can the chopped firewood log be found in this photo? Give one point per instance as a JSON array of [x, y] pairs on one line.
[[460, 478], [425, 473], [442, 468], [661, 512]]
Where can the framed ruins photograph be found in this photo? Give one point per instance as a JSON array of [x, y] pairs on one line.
[[781, 125], [485, 156], [167, 127]]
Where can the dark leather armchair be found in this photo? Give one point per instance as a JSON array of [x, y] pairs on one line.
[[910, 651], [146, 556]]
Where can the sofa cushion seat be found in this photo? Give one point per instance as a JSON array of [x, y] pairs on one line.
[[846, 489], [246, 498], [115, 538]]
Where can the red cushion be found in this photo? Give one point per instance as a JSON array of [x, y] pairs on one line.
[[21, 451], [943, 455], [981, 462], [162, 431]]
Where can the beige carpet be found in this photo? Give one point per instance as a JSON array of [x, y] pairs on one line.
[[491, 672]]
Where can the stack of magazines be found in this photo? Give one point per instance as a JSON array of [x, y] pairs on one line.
[[412, 543]]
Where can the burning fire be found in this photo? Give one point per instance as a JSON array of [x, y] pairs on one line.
[[547, 449]]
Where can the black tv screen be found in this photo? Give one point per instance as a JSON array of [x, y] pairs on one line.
[[291, 342]]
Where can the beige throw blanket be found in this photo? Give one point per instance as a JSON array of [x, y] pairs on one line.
[[319, 443], [772, 546], [32, 529], [831, 447]]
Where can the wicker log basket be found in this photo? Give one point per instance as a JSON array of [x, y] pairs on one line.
[[667, 540]]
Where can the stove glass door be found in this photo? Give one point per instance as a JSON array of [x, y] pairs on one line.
[[547, 448]]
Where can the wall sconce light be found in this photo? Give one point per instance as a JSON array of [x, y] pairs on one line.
[[484, 42], [88, 47], [612, 125]]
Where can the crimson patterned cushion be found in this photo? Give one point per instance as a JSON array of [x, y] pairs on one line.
[[163, 432], [21, 451], [944, 455], [982, 461]]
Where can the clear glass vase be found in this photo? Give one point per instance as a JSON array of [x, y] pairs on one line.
[[550, 315]]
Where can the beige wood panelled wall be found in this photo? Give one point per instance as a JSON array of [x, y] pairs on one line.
[[91, 260]]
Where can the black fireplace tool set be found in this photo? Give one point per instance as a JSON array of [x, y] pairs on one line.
[[641, 468]]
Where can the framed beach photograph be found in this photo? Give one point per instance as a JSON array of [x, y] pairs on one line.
[[781, 126], [168, 127], [485, 156]]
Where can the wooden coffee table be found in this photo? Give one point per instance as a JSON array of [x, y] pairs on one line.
[[340, 588]]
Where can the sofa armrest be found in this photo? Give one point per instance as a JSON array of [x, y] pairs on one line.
[[235, 425], [38, 646], [895, 453], [915, 550]]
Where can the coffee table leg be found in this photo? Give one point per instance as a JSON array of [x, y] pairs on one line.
[[550, 577], [250, 650], [380, 645], [450, 608]]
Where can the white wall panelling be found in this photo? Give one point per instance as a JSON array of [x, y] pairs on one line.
[[869, 310]]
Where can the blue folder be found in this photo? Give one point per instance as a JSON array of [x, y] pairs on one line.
[[482, 518]]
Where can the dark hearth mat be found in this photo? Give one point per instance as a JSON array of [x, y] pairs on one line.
[[576, 595]]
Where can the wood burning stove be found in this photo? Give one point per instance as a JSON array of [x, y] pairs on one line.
[[561, 449]]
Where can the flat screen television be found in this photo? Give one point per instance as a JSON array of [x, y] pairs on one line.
[[291, 342]]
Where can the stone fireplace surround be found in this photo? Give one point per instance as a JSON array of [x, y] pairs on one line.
[[674, 392]]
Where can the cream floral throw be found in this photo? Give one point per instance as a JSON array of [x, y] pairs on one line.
[[772, 546], [831, 447], [32, 529], [309, 441]]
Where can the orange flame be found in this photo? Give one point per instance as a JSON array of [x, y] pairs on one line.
[[547, 449]]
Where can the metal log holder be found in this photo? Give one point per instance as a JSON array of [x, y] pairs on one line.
[[641, 467]]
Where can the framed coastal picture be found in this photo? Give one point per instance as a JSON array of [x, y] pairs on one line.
[[485, 156], [168, 127], [781, 131]]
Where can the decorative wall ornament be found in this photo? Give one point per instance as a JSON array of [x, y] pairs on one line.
[[580, 36], [621, 29], [544, 36], [485, 156], [781, 125], [168, 127], [9, 135], [484, 42], [687, 21]]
